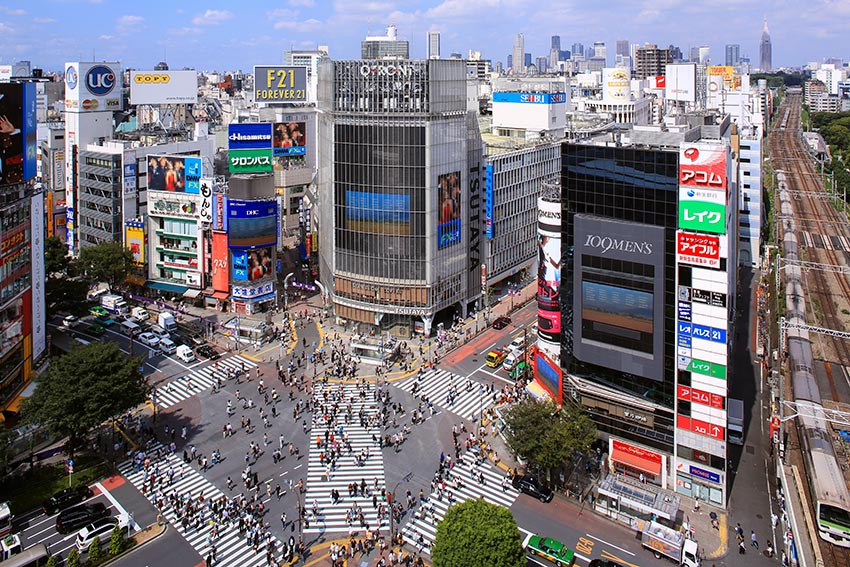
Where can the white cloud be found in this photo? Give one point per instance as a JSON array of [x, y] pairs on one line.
[[212, 18], [304, 3], [129, 24], [106, 37], [13, 11], [185, 31], [44, 20]]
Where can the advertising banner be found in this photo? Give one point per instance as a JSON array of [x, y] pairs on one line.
[[254, 264], [129, 167], [616, 84], [175, 174], [206, 189], [92, 87], [530, 98], [39, 331], [164, 87], [252, 223], [289, 139], [249, 136], [681, 82], [489, 206], [173, 205], [448, 226], [254, 292], [18, 144], [219, 220], [220, 276], [250, 161], [378, 213], [701, 427], [275, 83], [704, 216], [134, 233], [549, 258], [703, 165], [549, 375], [698, 249]]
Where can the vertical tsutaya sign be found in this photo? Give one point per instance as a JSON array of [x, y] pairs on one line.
[[280, 84], [489, 211]]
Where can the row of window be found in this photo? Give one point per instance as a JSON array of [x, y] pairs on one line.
[[176, 226]]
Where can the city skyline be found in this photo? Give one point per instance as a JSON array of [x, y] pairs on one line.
[[216, 35]]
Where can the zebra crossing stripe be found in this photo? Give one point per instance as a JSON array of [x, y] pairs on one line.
[[470, 398], [491, 490], [232, 550], [193, 383], [332, 515]]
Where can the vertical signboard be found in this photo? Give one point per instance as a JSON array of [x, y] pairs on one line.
[[489, 206], [449, 206], [19, 144], [548, 269], [129, 163], [135, 238], [39, 335], [220, 276], [206, 214]]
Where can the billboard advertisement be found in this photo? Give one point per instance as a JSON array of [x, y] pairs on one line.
[[39, 331], [220, 265], [251, 223], [262, 291], [175, 174], [549, 375], [93, 87], [134, 234], [219, 214], [249, 136], [251, 265], [129, 172], [618, 295], [274, 83], [549, 257], [703, 166], [163, 87], [703, 210], [489, 205], [378, 213], [681, 82], [616, 84], [289, 139], [206, 188], [18, 147], [449, 205], [698, 249], [530, 98], [250, 161]]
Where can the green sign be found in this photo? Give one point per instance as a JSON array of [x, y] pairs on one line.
[[250, 161], [703, 216], [708, 369]]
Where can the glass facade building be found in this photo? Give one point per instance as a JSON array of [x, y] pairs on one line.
[[100, 198], [619, 210]]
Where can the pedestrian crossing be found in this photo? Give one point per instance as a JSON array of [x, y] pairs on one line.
[[232, 549], [468, 400], [331, 515], [426, 516], [196, 381]]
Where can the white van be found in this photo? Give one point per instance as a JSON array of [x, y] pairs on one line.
[[185, 354], [100, 529], [160, 332], [167, 346], [130, 328], [140, 313], [517, 345], [511, 361]]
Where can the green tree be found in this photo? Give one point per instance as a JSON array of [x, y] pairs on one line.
[[73, 559], [88, 386], [106, 262], [56, 260], [52, 561], [547, 435], [476, 533], [95, 552], [7, 437], [62, 294], [116, 541]]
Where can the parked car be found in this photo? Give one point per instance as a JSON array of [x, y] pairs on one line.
[[79, 516], [100, 529], [70, 321], [532, 487], [149, 339], [208, 352], [605, 563], [96, 329], [197, 340], [66, 498], [501, 322]]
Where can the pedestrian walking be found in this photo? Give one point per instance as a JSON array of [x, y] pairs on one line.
[[741, 549], [753, 539]]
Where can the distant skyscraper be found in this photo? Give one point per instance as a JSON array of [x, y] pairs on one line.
[[733, 54], [693, 55], [385, 46], [542, 64], [704, 55], [433, 45], [518, 58], [651, 61], [578, 49], [527, 59], [510, 61], [765, 50], [623, 47], [599, 50], [556, 42]]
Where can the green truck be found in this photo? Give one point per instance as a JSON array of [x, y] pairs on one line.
[[550, 549]]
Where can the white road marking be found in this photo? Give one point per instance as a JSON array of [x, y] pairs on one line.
[[600, 540]]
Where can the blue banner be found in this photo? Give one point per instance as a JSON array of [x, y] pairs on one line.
[[707, 475], [531, 98], [240, 265], [251, 136], [29, 131], [708, 333], [684, 311]]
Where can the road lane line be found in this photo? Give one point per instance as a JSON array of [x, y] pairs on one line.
[[611, 544], [117, 505]]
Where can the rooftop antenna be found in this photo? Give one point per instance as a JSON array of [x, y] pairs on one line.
[[93, 58]]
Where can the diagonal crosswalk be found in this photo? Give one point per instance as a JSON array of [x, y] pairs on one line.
[[468, 397], [232, 549], [198, 380], [426, 516], [332, 516]]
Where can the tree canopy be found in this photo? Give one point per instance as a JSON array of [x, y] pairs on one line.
[[547, 435], [105, 262], [56, 260], [476, 533], [88, 386]]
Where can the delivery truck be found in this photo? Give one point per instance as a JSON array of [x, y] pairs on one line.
[[114, 304], [669, 543], [166, 321]]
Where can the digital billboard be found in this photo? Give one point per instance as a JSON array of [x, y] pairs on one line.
[[377, 213], [289, 139], [164, 87], [251, 265], [274, 83], [251, 223], [250, 161], [549, 259], [448, 225], [618, 295], [18, 144], [175, 174]]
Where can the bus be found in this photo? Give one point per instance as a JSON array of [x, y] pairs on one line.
[[36, 556]]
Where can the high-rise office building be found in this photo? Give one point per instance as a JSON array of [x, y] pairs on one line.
[[651, 61], [518, 59], [556, 42], [578, 49], [733, 54], [623, 47], [599, 50], [765, 50], [433, 45], [527, 60], [385, 46], [704, 55]]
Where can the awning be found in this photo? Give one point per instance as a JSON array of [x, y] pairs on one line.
[[636, 462], [220, 295], [15, 405], [537, 391], [163, 286], [192, 293]]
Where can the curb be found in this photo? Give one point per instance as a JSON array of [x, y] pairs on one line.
[[155, 526]]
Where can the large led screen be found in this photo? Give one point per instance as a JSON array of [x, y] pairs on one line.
[[251, 224], [549, 263], [251, 265], [618, 291], [377, 213], [176, 174], [448, 227]]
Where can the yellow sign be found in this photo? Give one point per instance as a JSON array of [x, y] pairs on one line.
[[152, 78], [135, 238]]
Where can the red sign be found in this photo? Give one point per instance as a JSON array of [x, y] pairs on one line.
[[636, 451], [660, 81], [220, 273], [698, 249], [701, 427], [703, 165], [700, 397]]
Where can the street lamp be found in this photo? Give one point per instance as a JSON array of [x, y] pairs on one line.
[[390, 498]]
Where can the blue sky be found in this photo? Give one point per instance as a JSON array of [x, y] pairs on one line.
[[226, 35]]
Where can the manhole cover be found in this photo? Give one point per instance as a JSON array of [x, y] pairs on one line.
[[751, 450], [474, 360], [759, 516]]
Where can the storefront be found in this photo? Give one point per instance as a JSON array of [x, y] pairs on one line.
[[699, 482], [634, 503], [248, 300], [637, 462]]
